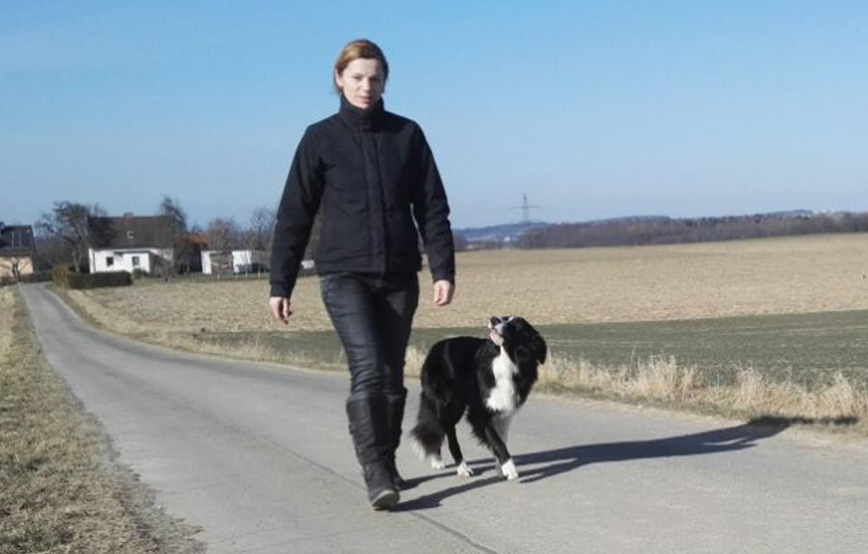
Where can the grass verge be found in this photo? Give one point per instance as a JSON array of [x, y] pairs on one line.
[[61, 489], [839, 405]]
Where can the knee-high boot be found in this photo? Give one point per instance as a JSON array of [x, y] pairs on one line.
[[394, 416], [369, 430]]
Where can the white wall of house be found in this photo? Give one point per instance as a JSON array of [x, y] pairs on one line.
[[153, 261], [242, 260], [10, 264]]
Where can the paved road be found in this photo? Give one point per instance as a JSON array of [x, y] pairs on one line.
[[260, 457]]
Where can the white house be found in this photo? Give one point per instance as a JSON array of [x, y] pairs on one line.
[[131, 243], [240, 261]]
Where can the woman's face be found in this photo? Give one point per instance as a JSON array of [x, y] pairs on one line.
[[362, 82]]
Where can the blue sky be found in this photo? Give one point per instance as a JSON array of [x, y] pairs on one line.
[[595, 109]]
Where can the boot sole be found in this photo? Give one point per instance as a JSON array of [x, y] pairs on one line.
[[385, 500]]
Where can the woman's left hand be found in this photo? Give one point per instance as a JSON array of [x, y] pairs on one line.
[[443, 291]]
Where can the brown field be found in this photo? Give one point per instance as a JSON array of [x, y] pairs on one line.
[[774, 276]]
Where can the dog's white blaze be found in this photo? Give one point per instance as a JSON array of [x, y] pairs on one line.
[[502, 397], [509, 470]]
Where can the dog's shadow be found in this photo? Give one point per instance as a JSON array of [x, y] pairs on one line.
[[562, 460]]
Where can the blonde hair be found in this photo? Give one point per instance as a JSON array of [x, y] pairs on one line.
[[359, 49]]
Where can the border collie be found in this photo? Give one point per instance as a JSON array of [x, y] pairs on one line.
[[489, 379]]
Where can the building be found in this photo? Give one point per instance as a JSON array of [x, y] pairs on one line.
[[16, 250], [131, 243], [234, 261]]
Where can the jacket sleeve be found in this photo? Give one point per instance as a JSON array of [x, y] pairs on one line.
[[295, 216], [431, 211]]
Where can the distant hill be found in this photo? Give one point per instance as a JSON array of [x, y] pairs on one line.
[[499, 233], [659, 229]]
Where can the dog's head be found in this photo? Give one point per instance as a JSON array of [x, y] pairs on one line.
[[518, 337]]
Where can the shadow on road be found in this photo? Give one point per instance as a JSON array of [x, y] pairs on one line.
[[555, 462]]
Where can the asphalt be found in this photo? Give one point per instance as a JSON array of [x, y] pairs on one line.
[[259, 457]]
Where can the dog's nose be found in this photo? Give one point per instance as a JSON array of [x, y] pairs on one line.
[[494, 321]]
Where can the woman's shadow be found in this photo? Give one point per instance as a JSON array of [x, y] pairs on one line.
[[562, 460]]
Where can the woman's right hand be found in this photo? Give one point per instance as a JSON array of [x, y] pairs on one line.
[[280, 308]]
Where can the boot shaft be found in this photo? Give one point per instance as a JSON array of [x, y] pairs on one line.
[[368, 424]]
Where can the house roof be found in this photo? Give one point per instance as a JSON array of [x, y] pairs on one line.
[[131, 231], [16, 240]]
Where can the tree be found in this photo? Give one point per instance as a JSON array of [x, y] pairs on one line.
[[223, 235], [258, 237], [183, 249], [68, 221], [172, 207], [261, 231]]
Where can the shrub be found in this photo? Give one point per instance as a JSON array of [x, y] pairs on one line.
[[63, 277], [36, 277]]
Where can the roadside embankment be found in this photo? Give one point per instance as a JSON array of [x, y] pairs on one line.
[[61, 488]]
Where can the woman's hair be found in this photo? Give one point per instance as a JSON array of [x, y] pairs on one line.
[[356, 49]]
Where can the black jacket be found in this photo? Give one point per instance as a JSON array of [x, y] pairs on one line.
[[373, 173]]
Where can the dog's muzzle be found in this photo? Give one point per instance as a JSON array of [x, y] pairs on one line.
[[495, 326]]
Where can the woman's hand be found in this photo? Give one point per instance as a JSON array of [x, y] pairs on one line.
[[280, 308], [443, 291]]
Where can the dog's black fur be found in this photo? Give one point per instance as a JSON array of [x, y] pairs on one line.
[[489, 379]]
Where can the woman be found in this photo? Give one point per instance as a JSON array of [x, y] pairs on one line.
[[371, 173]]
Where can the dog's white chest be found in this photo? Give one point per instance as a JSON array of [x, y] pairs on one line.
[[503, 397]]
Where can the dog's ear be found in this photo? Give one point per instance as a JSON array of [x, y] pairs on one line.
[[539, 348]]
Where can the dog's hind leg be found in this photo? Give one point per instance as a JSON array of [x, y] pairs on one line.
[[455, 449]]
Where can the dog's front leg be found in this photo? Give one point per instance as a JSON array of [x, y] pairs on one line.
[[507, 466]]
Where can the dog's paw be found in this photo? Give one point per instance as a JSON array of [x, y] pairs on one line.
[[509, 471], [436, 462], [464, 470]]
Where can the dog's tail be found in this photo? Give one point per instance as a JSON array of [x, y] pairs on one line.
[[428, 433]]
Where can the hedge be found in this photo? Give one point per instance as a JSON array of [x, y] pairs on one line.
[[64, 277]]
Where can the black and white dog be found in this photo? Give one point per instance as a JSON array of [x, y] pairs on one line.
[[489, 379]]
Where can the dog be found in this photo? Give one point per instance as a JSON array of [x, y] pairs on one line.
[[488, 379]]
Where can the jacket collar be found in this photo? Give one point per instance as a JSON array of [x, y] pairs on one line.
[[358, 118]]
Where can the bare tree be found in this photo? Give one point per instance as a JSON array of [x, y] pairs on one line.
[[49, 251], [257, 238], [183, 249], [68, 221], [172, 208], [223, 235], [262, 222]]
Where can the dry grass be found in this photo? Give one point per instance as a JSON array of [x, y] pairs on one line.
[[662, 381], [59, 488]]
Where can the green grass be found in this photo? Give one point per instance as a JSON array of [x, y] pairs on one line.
[[807, 349]]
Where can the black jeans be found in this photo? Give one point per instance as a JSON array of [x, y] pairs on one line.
[[373, 316]]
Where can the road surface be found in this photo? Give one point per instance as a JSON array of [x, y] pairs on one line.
[[259, 456]]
